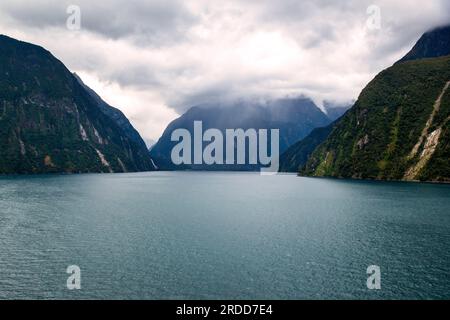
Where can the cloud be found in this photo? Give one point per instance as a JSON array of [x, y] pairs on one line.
[[153, 22], [154, 59]]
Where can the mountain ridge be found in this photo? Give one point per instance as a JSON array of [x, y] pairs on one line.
[[49, 123]]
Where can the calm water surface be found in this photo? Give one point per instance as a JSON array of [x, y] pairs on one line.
[[221, 236]]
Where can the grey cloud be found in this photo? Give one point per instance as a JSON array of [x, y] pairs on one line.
[[173, 54], [147, 23], [153, 23], [136, 76]]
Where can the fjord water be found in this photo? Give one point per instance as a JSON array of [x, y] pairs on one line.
[[222, 236]]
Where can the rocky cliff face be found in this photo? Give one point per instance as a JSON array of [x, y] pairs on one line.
[[49, 122]]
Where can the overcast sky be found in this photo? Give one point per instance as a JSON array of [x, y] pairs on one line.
[[154, 59]]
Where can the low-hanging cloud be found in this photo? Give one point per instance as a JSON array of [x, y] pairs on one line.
[[154, 59]]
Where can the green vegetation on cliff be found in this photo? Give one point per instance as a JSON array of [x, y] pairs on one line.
[[398, 129], [297, 155]]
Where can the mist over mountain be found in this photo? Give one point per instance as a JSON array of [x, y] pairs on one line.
[[295, 118]]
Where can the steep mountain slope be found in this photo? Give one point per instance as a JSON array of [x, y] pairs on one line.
[[433, 44], [296, 155], [114, 114], [398, 129], [50, 123], [295, 118]]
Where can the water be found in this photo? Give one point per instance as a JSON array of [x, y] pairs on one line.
[[222, 236]]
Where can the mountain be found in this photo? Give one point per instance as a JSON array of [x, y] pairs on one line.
[[435, 43], [399, 128], [335, 111], [295, 118], [297, 155], [115, 114], [50, 122]]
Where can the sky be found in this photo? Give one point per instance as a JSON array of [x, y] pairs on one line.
[[155, 59]]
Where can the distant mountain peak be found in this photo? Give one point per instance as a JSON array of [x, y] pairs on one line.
[[294, 117]]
